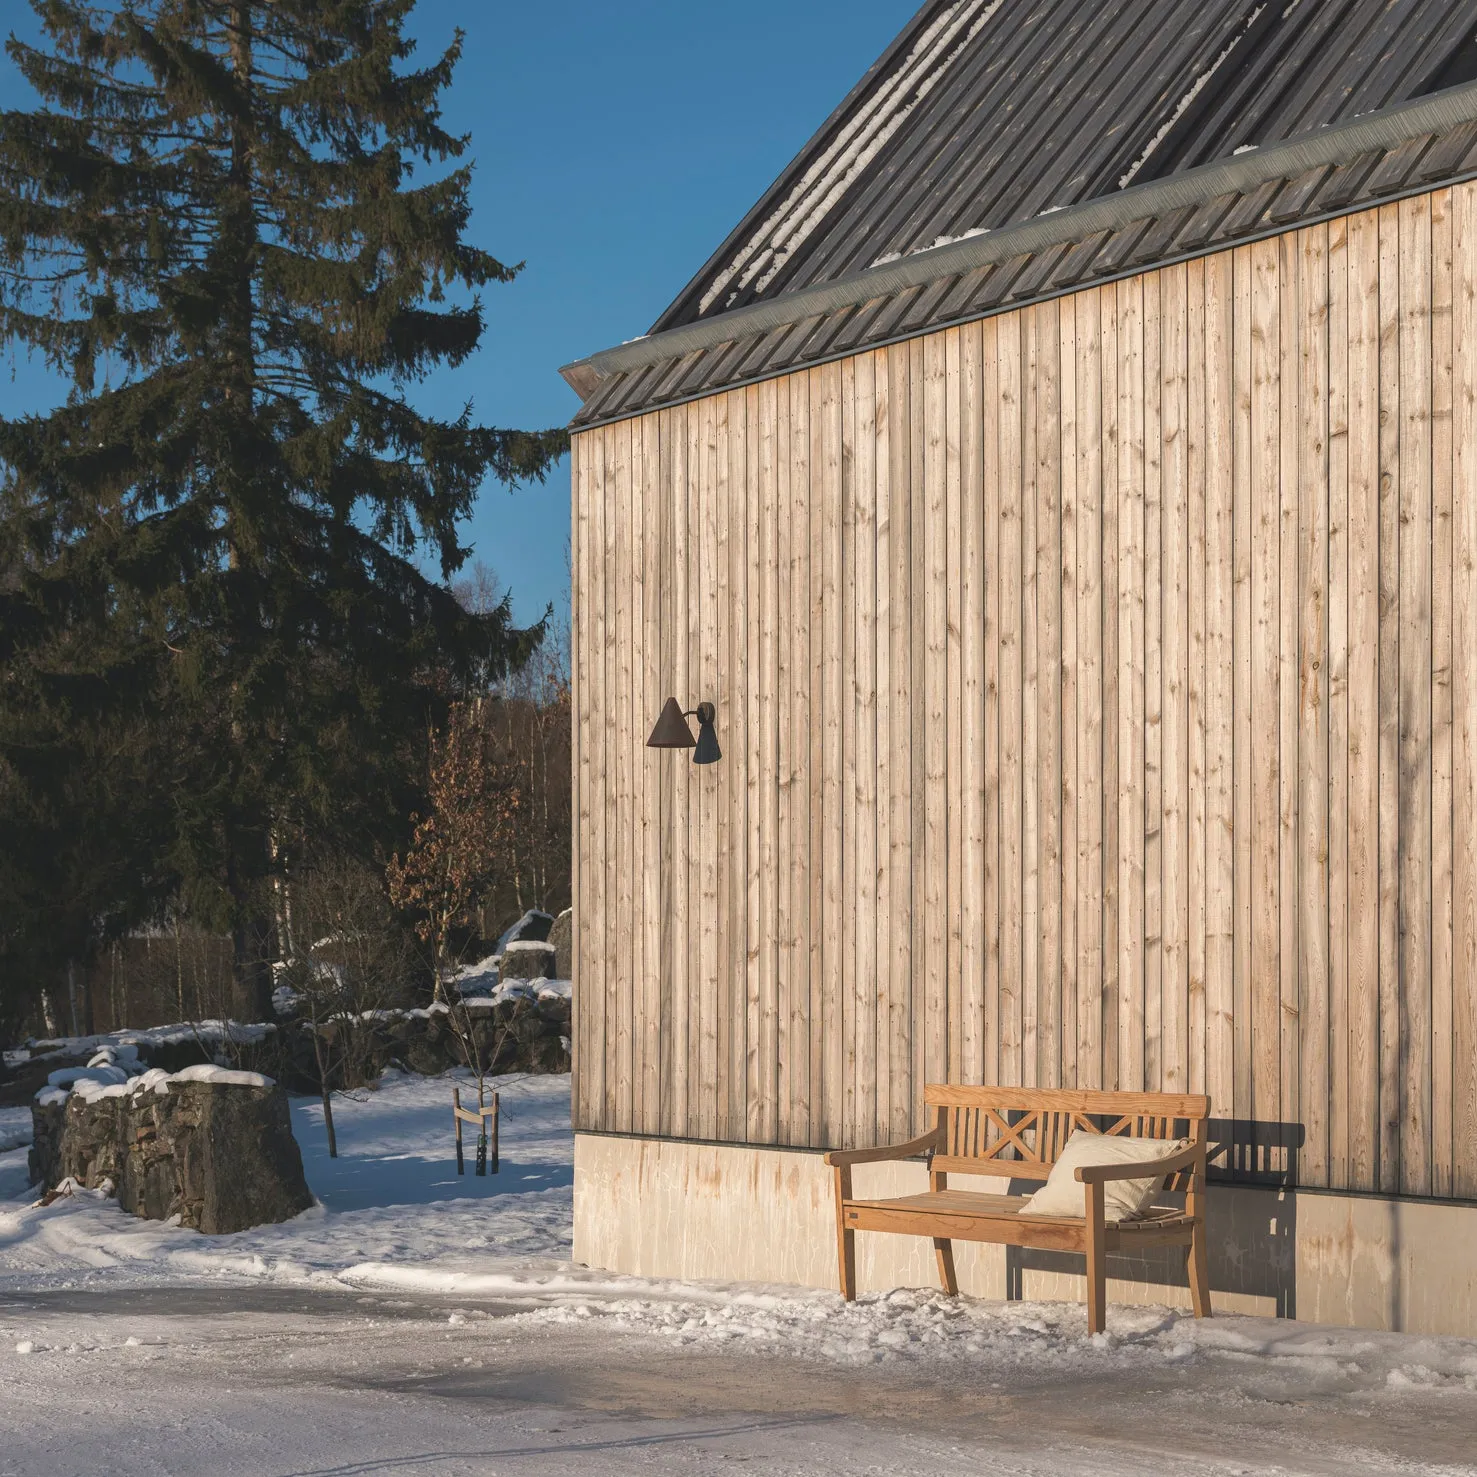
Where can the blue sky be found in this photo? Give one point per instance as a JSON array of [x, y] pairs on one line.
[[617, 142]]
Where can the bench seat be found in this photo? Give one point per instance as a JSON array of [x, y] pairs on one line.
[[1017, 1134], [968, 1215]]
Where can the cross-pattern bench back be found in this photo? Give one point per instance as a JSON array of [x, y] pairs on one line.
[[1018, 1132]]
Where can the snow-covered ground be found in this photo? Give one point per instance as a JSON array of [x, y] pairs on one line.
[[415, 1321], [391, 1198]]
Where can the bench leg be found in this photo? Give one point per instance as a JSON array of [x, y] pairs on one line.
[[1097, 1263], [1199, 1259], [947, 1280], [845, 1239]]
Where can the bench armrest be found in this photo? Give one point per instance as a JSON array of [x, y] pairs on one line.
[[839, 1157], [1097, 1174]]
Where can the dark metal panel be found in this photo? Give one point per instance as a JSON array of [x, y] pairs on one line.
[[1292, 201], [1204, 223], [1398, 165], [1249, 211], [1053, 102], [1448, 155], [1346, 183]]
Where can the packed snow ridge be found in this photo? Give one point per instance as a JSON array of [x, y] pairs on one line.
[[109, 1075], [1184, 103]]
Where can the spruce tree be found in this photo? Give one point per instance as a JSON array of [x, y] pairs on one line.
[[240, 229]]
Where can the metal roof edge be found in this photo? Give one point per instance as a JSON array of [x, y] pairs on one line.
[[1238, 173]]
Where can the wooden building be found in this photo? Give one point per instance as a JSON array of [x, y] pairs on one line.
[[1063, 483]]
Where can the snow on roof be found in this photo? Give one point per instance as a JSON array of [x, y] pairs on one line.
[[858, 143]]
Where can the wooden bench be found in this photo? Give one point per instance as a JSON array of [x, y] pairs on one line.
[[1016, 1133]]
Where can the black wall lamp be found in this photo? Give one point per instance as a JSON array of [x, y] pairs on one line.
[[672, 731]]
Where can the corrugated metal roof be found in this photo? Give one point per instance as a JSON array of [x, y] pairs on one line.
[[985, 113], [1360, 163]]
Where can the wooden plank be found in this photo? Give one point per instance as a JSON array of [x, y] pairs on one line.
[[1112, 990], [1464, 690], [902, 973], [1067, 1100], [786, 796], [1088, 735], [935, 1022], [991, 480], [1313, 704], [821, 482], [799, 1059], [918, 508], [627, 438], [729, 791], [1444, 1145], [1047, 751], [1196, 902], [712, 493], [974, 576], [846, 1023], [1338, 703], [1266, 509], [1389, 1035], [1290, 326], [651, 697], [1012, 983], [1242, 517], [636, 756], [1153, 670], [953, 706], [1174, 726], [833, 880], [760, 774], [1031, 982], [580, 616], [673, 1011], [865, 973], [602, 1024], [1131, 698], [1221, 628], [1065, 1056], [884, 699], [1364, 841], [1415, 638]]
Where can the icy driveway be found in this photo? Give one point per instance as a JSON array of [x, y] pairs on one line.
[[315, 1383], [415, 1322]]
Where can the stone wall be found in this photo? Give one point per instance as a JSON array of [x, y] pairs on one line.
[[214, 1148]]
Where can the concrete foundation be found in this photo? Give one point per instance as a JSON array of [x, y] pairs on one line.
[[665, 1208]]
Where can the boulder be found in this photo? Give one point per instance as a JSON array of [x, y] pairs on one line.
[[561, 937], [214, 1148], [533, 927], [48, 1118], [528, 959]]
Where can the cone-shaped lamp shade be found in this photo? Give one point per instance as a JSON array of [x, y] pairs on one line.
[[671, 731], [707, 751]]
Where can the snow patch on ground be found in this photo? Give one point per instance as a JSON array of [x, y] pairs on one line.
[[15, 1128], [394, 1219], [392, 1197], [911, 1325]]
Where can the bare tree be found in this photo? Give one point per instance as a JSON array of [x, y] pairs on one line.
[[361, 964], [473, 816]]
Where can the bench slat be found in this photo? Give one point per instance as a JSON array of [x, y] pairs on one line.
[[1063, 1100]]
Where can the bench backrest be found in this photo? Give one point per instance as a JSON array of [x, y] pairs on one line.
[[1018, 1132]]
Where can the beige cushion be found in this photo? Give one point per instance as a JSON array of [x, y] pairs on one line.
[[1123, 1200]]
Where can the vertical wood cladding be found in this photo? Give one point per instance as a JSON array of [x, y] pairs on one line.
[[1097, 688]]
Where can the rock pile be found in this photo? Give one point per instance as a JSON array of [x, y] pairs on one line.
[[211, 1146]]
